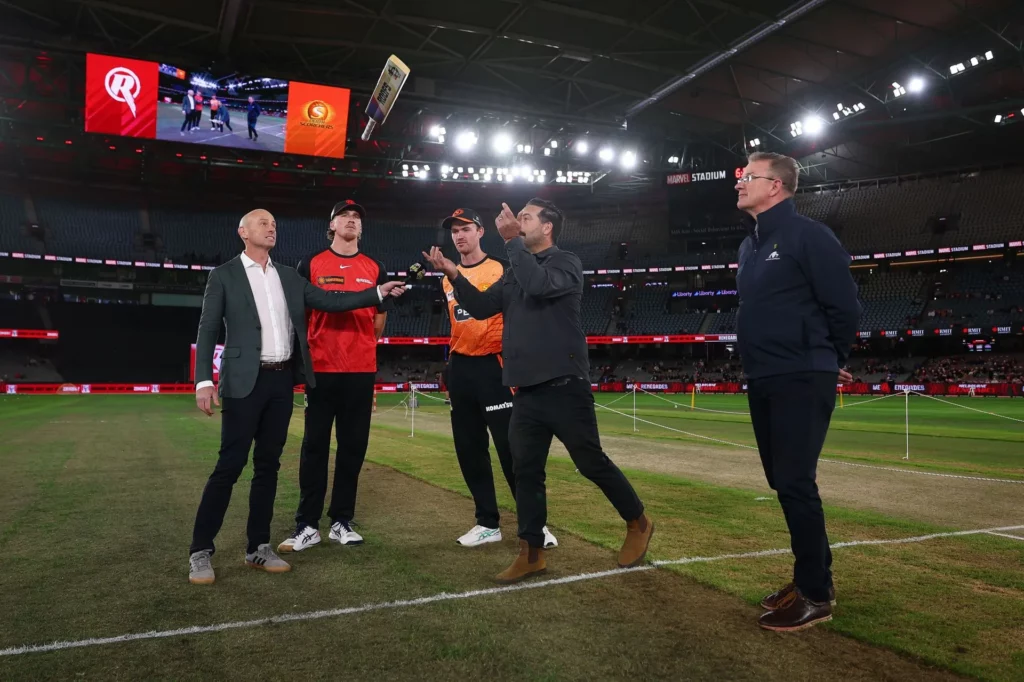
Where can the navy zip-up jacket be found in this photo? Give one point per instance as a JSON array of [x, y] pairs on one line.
[[798, 301]]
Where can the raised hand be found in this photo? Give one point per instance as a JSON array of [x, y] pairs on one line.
[[439, 262], [507, 223]]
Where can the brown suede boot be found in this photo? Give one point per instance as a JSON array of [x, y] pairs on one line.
[[529, 563], [638, 537]]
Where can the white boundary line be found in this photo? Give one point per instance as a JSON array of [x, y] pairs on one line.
[[446, 596], [826, 459]]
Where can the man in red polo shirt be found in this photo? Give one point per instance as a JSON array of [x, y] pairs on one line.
[[343, 347]]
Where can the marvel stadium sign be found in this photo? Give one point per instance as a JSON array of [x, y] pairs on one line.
[[703, 176]]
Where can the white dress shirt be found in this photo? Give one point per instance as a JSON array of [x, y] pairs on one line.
[[276, 327]]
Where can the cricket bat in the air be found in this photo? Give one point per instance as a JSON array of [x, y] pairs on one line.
[[390, 83]]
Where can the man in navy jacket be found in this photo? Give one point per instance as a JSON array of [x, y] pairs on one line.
[[796, 325]]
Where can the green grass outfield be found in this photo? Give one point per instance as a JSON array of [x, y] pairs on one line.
[[944, 436], [100, 493]]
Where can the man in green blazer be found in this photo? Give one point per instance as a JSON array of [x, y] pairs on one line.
[[262, 306]]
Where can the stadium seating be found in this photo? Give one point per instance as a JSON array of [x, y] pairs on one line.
[[990, 208], [722, 323], [891, 216], [12, 224], [596, 309], [891, 299], [82, 228], [649, 313]]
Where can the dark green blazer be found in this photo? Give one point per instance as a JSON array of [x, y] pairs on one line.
[[229, 301]]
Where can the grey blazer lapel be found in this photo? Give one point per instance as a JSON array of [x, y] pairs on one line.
[[243, 282]]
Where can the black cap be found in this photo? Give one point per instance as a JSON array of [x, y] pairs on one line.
[[462, 215], [348, 205]]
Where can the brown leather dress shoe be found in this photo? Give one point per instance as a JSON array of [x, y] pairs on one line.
[[529, 563], [796, 613], [638, 538], [776, 599]]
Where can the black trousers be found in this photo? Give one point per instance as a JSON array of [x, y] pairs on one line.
[[262, 416], [481, 402], [563, 408], [790, 415], [343, 400], [187, 123], [253, 135]]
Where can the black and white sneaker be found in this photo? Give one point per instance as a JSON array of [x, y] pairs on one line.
[[341, 532], [302, 538]]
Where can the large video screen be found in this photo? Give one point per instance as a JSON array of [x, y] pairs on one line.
[[160, 101]]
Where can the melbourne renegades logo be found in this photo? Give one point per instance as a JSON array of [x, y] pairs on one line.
[[123, 86]]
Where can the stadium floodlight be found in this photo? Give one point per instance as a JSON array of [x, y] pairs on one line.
[[502, 143], [975, 61], [526, 170], [547, 151], [459, 169], [989, 56], [445, 169], [471, 170], [582, 147], [489, 170], [487, 177], [426, 167], [558, 173], [529, 178], [476, 176], [814, 125], [519, 148], [898, 90], [465, 140], [673, 159], [527, 149], [554, 144], [796, 128], [501, 177], [415, 167], [405, 173], [405, 166], [999, 118], [515, 172], [628, 160], [438, 132], [756, 142], [916, 85], [606, 154], [422, 175], [536, 172], [543, 173]]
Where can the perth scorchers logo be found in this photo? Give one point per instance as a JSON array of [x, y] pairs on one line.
[[318, 114]]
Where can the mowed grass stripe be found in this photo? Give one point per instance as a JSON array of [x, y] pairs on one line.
[[992, 447]]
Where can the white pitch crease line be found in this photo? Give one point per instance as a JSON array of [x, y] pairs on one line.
[[1007, 535], [446, 596]]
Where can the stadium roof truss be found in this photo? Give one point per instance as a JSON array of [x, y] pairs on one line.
[[697, 76]]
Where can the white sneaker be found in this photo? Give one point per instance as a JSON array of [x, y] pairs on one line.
[[301, 539], [342, 532], [480, 535], [550, 541]]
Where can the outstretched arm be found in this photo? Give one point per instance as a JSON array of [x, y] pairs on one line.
[[480, 304]]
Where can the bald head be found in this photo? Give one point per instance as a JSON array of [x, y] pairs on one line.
[[258, 229]]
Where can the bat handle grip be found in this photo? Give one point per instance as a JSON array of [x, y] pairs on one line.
[[368, 130]]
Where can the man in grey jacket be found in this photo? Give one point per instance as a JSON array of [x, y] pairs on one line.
[[262, 305]]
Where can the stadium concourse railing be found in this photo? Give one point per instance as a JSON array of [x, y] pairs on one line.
[[947, 252]]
